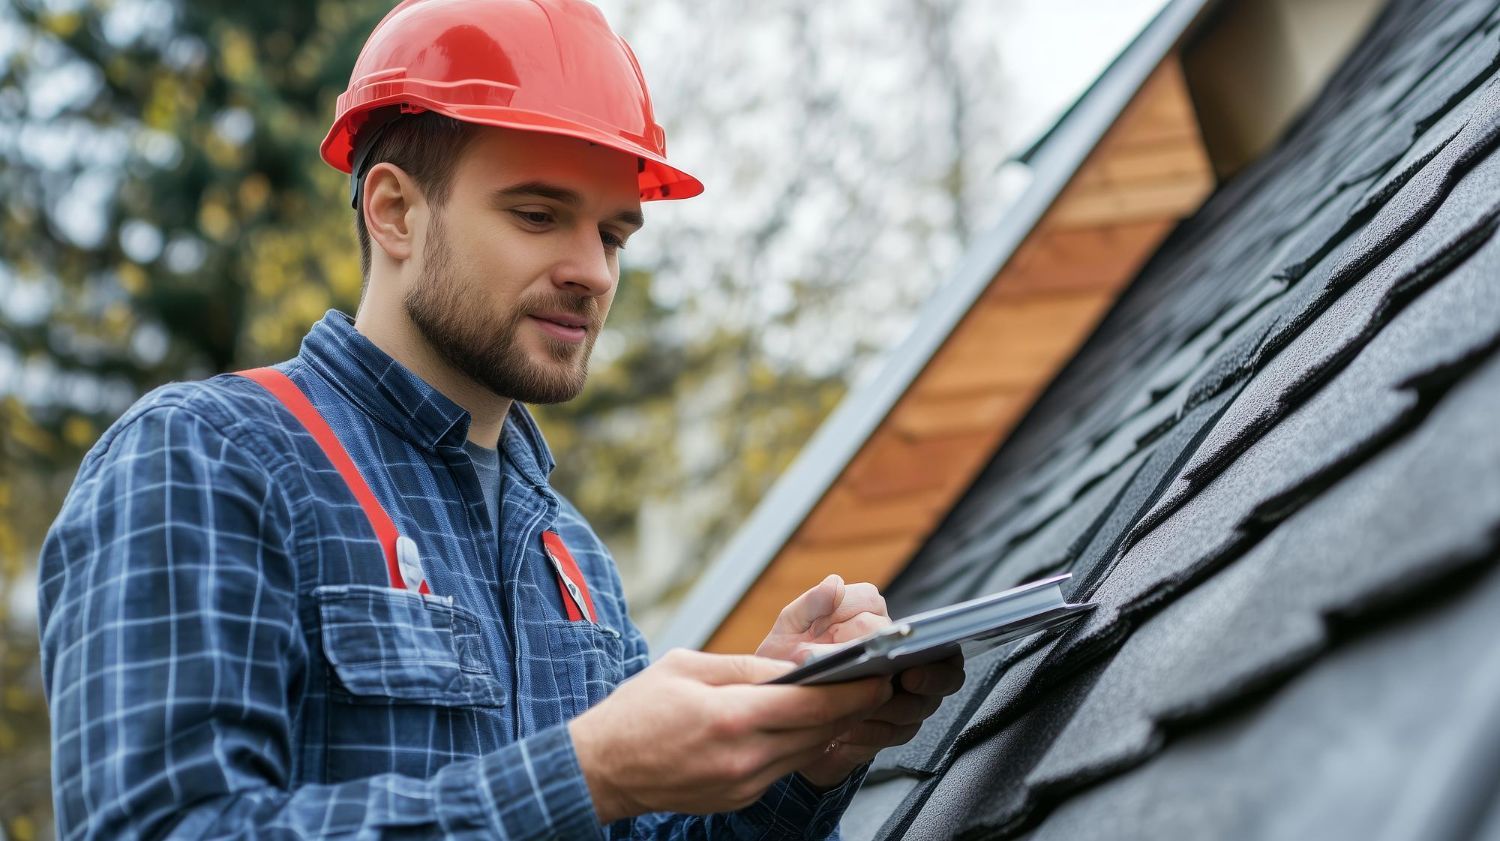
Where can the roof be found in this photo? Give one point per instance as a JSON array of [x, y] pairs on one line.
[[865, 424], [1274, 465]]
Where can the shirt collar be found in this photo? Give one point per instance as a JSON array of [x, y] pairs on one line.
[[522, 442], [393, 395]]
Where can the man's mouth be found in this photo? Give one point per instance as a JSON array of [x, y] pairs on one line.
[[562, 326]]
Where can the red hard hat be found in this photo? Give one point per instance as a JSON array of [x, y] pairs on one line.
[[551, 66]]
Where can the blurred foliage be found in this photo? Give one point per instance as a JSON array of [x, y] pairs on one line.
[[168, 216], [165, 199]]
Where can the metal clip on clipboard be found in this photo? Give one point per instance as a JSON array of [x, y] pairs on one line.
[[972, 627]]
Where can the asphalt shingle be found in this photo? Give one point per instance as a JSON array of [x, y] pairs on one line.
[[1275, 467]]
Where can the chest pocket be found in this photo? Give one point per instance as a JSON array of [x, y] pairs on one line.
[[388, 646], [589, 660]]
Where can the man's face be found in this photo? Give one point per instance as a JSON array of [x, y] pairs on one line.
[[521, 262]]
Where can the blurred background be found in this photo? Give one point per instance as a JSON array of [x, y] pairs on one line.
[[164, 216]]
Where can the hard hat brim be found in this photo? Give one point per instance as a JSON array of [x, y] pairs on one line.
[[658, 179]]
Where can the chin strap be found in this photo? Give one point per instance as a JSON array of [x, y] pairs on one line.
[[364, 142]]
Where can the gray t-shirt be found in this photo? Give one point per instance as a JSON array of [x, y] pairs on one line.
[[487, 465]]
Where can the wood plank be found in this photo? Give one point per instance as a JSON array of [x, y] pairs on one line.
[[961, 415], [1166, 198], [1136, 162], [893, 464], [1016, 344], [843, 515], [1156, 135], [1147, 127], [1080, 259], [868, 560], [1163, 99]]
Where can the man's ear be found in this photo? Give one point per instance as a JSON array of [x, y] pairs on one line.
[[392, 204]]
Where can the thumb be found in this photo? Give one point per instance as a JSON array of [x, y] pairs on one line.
[[727, 669], [808, 608], [808, 650]]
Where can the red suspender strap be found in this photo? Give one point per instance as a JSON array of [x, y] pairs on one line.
[[297, 403], [568, 572]]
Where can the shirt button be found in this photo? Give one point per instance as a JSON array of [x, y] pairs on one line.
[[410, 562]]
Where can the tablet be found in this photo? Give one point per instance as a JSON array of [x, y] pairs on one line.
[[971, 627]]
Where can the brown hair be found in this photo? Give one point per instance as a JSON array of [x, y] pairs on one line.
[[427, 146]]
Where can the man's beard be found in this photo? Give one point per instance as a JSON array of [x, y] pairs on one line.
[[456, 322]]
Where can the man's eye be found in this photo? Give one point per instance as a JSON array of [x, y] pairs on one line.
[[611, 241], [534, 217]]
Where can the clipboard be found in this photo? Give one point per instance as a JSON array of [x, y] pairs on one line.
[[972, 627]]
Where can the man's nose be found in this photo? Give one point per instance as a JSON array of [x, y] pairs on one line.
[[586, 270]]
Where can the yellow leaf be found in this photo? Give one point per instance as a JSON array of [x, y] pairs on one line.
[[117, 321], [225, 155], [160, 111], [78, 431], [63, 24], [236, 55], [254, 191], [26, 433], [132, 279], [215, 220]]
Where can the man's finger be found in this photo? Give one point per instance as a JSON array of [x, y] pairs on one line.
[[811, 606], [798, 707], [862, 597], [858, 625], [784, 744], [880, 734], [808, 650], [906, 708], [798, 761], [727, 669], [942, 678]]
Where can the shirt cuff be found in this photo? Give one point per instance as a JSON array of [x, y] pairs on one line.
[[536, 788], [795, 809]]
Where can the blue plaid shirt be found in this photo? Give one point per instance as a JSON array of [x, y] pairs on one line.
[[224, 654]]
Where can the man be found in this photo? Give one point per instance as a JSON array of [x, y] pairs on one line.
[[339, 597]]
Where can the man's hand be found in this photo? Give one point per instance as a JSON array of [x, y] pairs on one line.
[[689, 735], [824, 618], [920, 690], [831, 614]]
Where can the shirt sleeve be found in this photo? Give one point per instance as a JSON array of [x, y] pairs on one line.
[[790, 809], [173, 659]]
